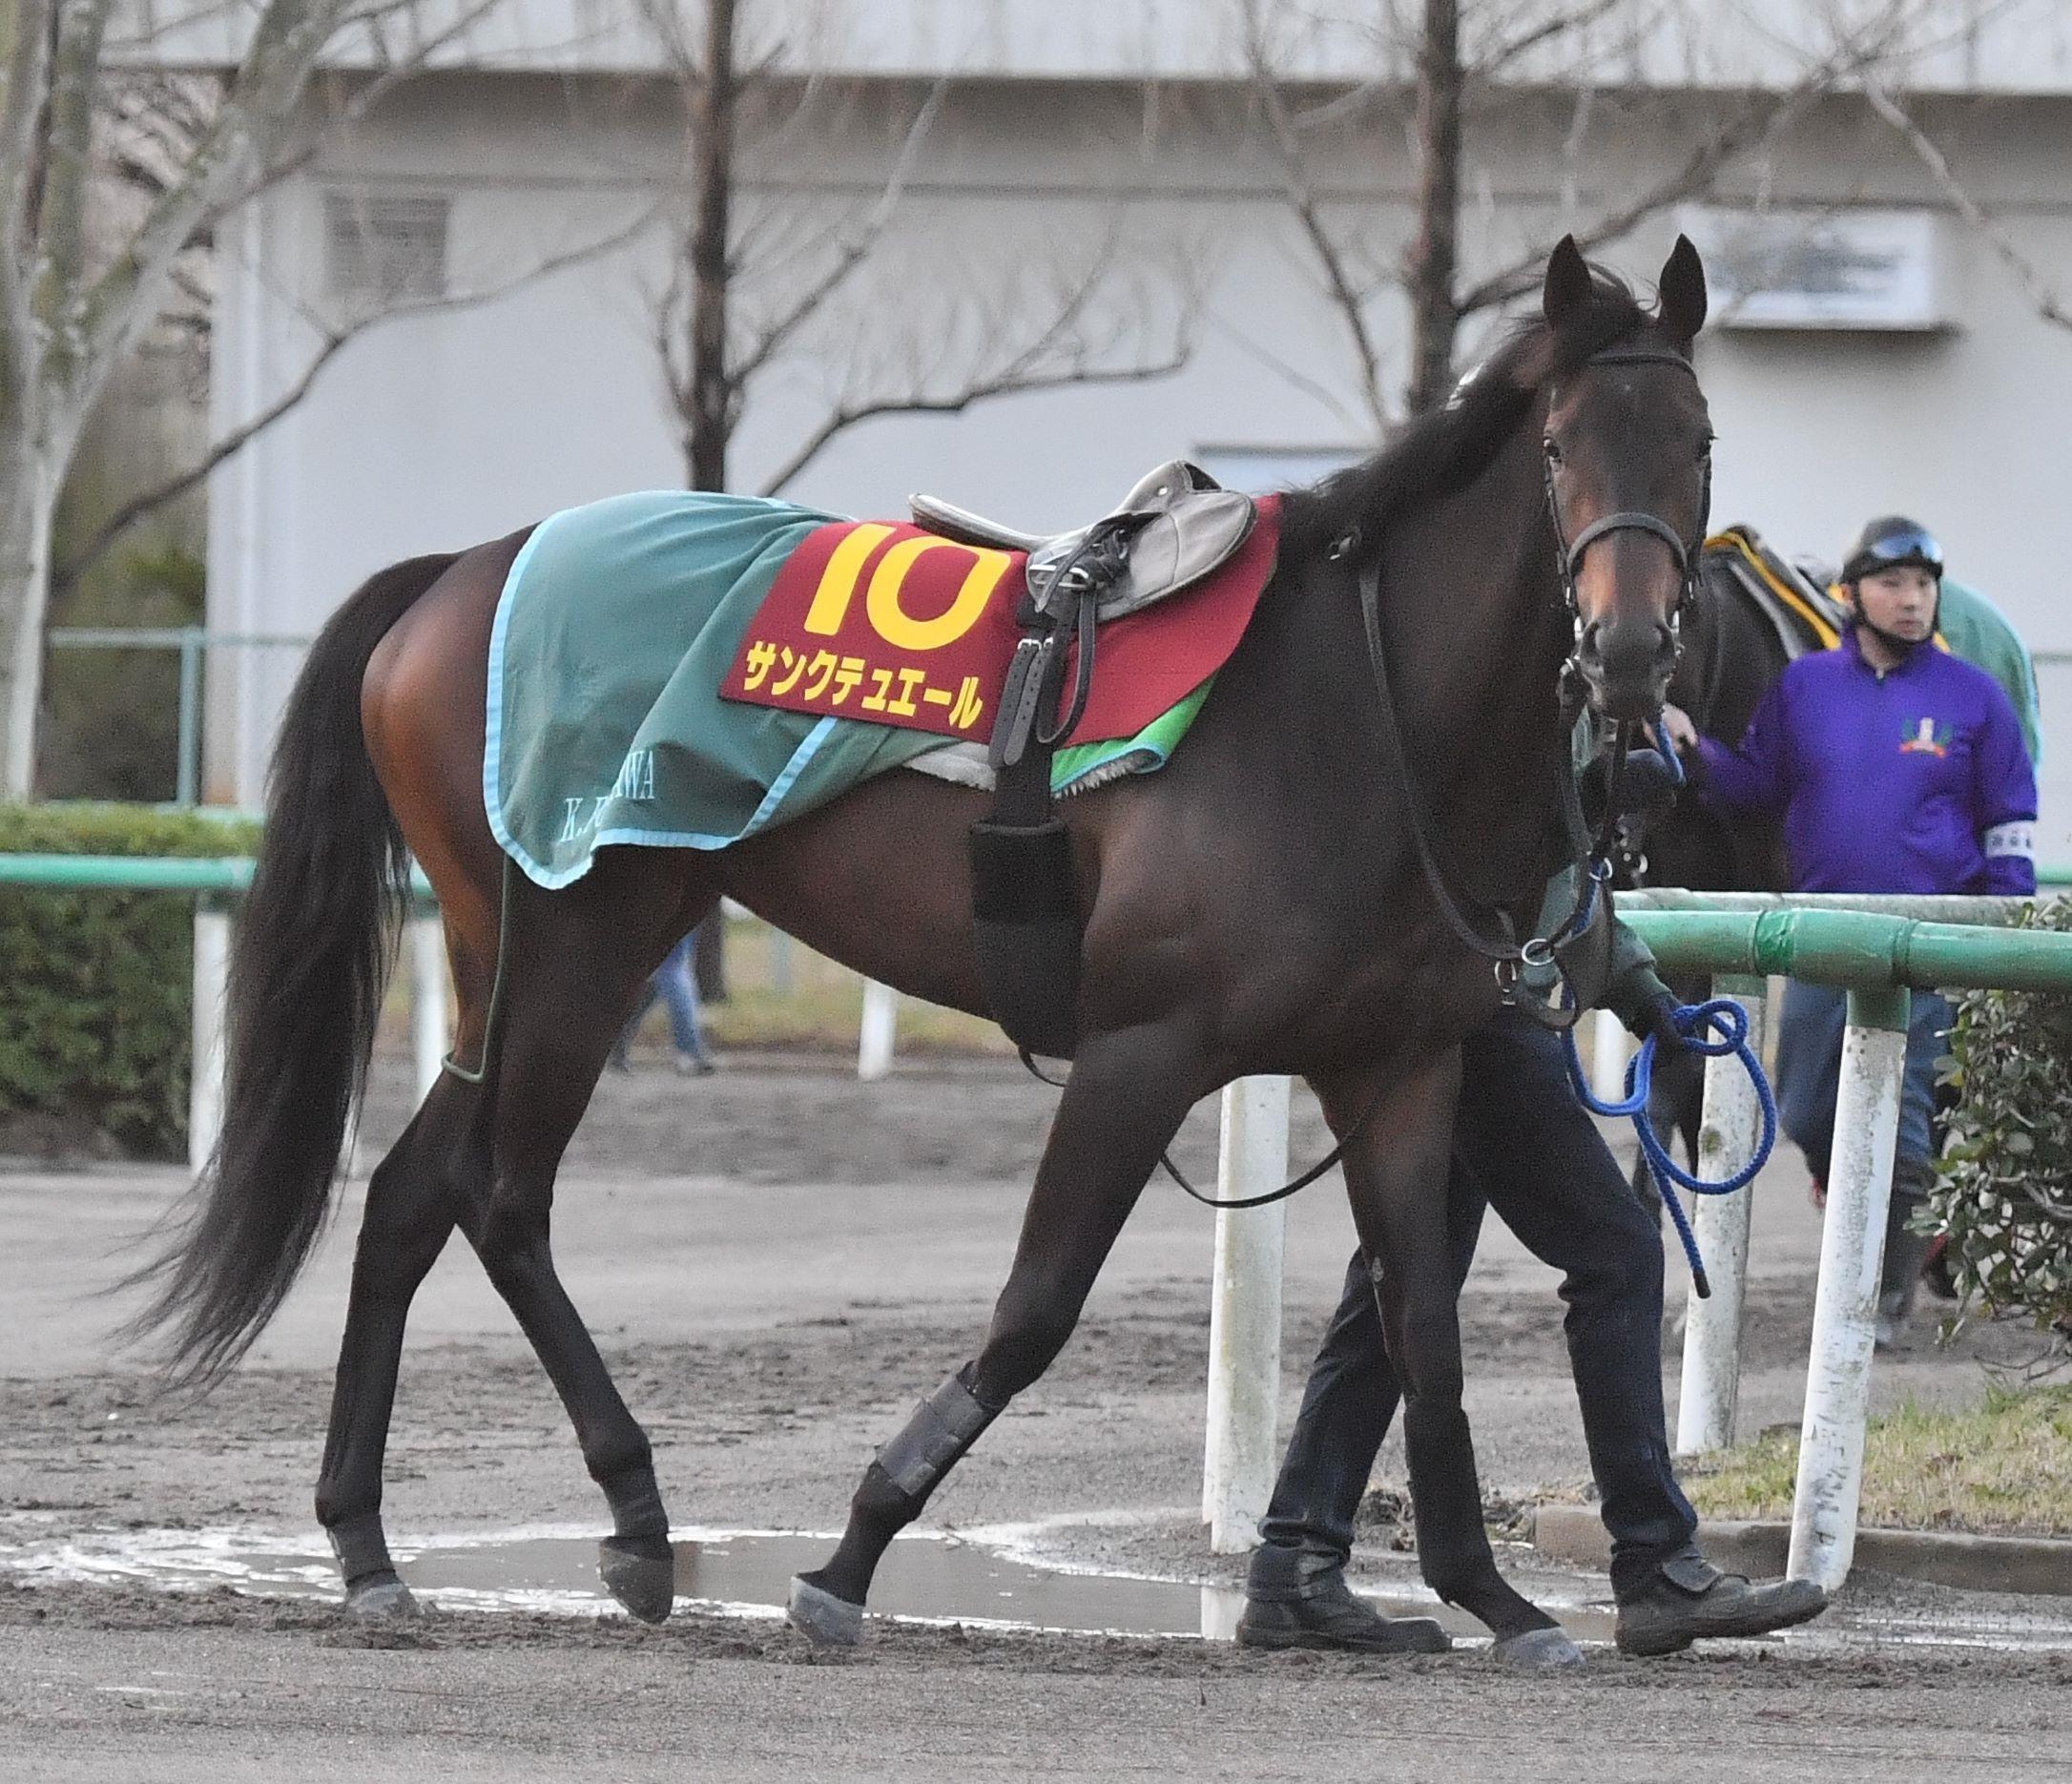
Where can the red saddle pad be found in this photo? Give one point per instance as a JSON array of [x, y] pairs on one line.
[[879, 621]]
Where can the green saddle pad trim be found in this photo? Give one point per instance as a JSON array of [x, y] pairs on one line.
[[1084, 766]]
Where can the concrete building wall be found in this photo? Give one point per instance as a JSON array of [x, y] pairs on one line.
[[442, 430]]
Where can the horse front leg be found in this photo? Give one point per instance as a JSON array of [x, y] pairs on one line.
[[1127, 1096], [1396, 1169]]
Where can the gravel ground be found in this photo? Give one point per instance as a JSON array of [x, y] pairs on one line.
[[778, 1262]]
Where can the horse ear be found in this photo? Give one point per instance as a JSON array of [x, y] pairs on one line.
[[1569, 287], [1681, 288]]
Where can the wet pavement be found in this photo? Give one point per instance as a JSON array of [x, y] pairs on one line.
[[985, 1582]]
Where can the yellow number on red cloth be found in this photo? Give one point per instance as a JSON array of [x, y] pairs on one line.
[[882, 605]]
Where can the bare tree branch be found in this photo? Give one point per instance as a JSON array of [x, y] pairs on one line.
[[29, 80], [854, 251], [61, 234], [1758, 118], [1301, 380], [979, 391], [254, 117], [2042, 297], [334, 340], [284, 161], [1499, 56], [1302, 199]]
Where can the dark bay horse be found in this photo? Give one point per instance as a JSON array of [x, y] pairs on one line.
[[1257, 906]]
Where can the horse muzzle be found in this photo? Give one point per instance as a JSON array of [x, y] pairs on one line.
[[1626, 667]]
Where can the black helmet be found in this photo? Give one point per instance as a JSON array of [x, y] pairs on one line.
[[1890, 541]]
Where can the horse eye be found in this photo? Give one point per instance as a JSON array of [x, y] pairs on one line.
[[1552, 449]]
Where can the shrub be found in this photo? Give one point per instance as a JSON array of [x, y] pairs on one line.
[[96, 987], [2003, 1186]]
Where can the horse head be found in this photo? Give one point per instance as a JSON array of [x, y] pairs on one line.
[[1628, 451]]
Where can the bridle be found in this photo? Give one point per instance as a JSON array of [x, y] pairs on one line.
[[1592, 857], [1570, 552]]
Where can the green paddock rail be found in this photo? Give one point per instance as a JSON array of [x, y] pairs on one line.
[[1859, 949], [220, 876], [1755, 933]]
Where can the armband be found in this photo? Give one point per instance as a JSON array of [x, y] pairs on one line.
[[2018, 837]]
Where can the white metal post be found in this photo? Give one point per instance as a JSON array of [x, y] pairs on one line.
[[1610, 1047], [1845, 1305], [428, 999], [1727, 1138], [205, 1081], [1244, 1316], [879, 1032]]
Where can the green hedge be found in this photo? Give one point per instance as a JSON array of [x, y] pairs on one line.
[[96, 987], [2004, 1183]]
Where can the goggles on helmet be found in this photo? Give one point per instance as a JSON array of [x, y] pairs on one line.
[[1911, 546]]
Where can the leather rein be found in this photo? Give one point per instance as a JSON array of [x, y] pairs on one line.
[[1510, 959]]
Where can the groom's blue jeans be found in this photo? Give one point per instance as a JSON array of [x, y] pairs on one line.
[[1523, 1146]]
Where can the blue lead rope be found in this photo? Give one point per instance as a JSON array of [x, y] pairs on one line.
[[1731, 1023]]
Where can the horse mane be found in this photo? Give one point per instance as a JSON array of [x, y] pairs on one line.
[[1444, 448]]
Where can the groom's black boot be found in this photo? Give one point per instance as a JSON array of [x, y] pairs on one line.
[[1687, 1599], [1296, 1598]]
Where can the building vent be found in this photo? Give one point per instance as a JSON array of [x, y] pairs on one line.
[[386, 246], [1853, 269]]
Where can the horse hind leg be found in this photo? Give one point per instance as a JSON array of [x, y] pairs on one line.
[[1126, 1099], [580, 955], [412, 1205]]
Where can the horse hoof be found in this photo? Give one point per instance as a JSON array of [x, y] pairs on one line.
[[822, 1618], [381, 1597], [1539, 1650], [640, 1573]]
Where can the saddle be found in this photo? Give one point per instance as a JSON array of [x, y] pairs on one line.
[[1797, 608], [1174, 528]]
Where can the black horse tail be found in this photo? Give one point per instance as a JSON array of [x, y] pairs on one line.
[[315, 939]]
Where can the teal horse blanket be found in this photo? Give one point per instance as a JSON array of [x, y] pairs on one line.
[[617, 625]]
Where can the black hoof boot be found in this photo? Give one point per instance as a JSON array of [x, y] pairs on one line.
[[381, 1597], [1687, 1599], [1328, 1615], [640, 1573], [823, 1619]]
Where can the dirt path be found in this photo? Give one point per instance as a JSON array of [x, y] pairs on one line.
[[778, 1262]]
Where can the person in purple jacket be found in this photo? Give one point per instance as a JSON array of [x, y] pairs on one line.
[[1895, 767]]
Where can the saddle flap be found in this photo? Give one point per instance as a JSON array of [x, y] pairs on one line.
[[960, 524], [1198, 533]]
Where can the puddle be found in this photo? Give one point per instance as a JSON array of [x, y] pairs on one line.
[[926, 1577]]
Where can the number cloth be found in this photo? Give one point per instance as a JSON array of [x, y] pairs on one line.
[[622, 621]]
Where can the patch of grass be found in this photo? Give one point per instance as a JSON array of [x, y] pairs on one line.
[[2002, 1468]]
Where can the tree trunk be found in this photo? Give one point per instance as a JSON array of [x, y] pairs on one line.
[[712, 380], [712, 404], [711, 121], [26, 500], [1431, 273]]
